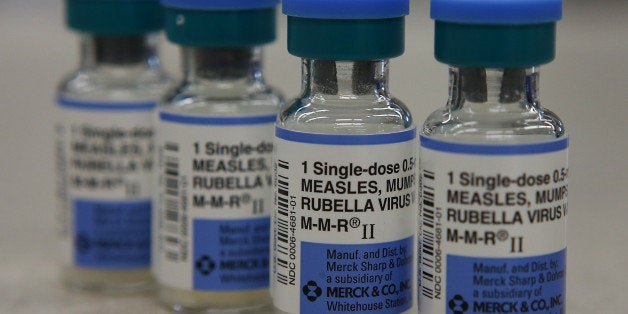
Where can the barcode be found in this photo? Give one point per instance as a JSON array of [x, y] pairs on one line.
[[427, 235], [62, 183], [171, 214], [282, 256]]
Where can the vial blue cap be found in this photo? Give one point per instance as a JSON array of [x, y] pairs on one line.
[[114, 17], [496, 11], [220, 23], [346, 9], [219, 4]]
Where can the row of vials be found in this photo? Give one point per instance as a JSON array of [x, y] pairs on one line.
[[333, 202]]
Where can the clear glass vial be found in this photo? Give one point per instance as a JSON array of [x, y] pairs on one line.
[[495, 153], [344, 98], [219, 82], [345, 117], [119, 66], [221, 48]]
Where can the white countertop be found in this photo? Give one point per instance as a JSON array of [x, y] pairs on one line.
[[586, 85]]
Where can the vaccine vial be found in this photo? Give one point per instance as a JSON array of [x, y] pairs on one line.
[[493, 165], [104, 145], [343, 224], [215, 144]]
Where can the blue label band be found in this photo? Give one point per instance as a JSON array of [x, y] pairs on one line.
[[169, 117], [231, 254], [346, 139], [507, 285], [107, 106], [112, 234], [356, 278], [494, 149]]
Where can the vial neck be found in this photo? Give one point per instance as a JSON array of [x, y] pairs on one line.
[[493, 90], [119, 51], [223, 67], [345, 79]]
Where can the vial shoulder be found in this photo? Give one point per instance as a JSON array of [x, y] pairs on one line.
[[534, 124], [346, 116], [115, 84], [192, 99]]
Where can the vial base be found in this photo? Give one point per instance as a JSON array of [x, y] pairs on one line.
[[107, 281], [188, 301]]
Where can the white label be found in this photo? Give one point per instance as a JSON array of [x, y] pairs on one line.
[[344, 222], [213, 213], [104, 169], [492, 227]]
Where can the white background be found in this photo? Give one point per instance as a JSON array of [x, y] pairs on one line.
[[586, 85]]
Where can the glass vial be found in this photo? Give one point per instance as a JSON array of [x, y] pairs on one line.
[[104, 145], [344, 214], [493, 167], [214, 139]]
